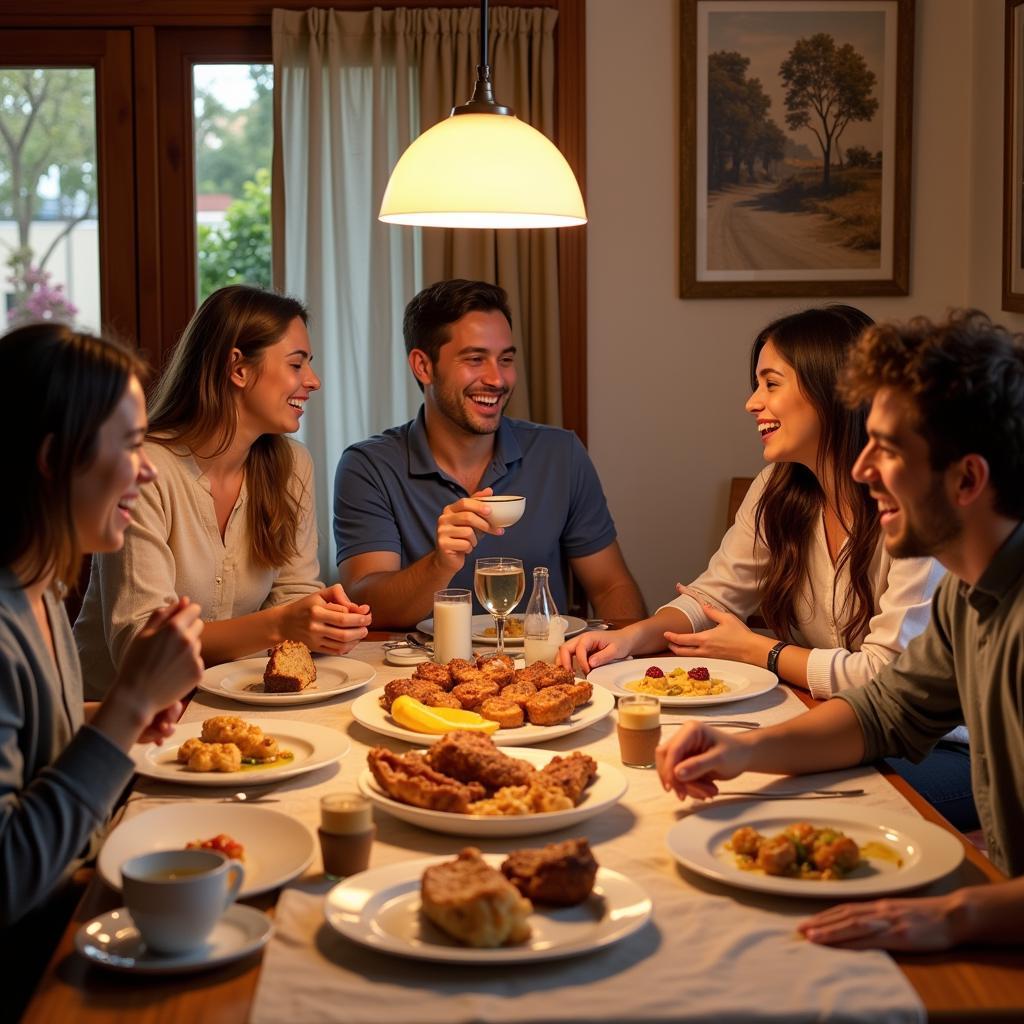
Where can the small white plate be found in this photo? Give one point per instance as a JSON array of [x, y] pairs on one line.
[[381, 909], [366, 710], [743, 680], [313, 746], [927, 851], [481, 623], [605, 791], [243, 681], [277, 848], [112, 940]]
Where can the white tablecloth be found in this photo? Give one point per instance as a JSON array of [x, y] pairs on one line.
[[710, 952]]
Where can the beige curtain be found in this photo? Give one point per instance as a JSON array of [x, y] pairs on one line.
[[524, 263]]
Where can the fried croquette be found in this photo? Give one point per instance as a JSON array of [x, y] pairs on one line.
[[547, 707], [439, 675], [579, 693], [519, 691], [214, 757], [250, 739], [418, 689], [471, 694], [507, 713]]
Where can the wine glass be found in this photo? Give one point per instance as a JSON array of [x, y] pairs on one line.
[[499, 584]]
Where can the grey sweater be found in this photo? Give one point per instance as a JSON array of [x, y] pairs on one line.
[[58, 778]]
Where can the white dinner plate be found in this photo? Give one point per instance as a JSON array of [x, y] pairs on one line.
[[485, 622], [381, 909], [366, 710], [277, 848], [605, 791], [243, 681], [112, 940], [743, 680], [313, 746], [927, 851]]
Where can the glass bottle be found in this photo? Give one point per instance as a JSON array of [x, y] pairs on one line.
[[541, 625]]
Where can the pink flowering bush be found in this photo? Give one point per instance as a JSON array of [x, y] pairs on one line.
[[35, 298]]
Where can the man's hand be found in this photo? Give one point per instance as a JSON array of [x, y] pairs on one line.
[[923, 924], [730, 639], [326, 621], [458, 529], [695, 755]]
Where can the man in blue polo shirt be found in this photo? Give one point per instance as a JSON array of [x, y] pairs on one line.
[[406, 519]]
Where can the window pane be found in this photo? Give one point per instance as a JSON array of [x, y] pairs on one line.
[[233, 141], [49, 239]]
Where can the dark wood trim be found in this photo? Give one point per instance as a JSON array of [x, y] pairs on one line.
[[1013, 301], [109, 53], [899, 282]]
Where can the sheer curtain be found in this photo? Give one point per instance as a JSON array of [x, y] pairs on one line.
[[351, 91]]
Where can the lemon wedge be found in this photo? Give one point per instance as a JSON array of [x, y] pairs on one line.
[[411, 714]]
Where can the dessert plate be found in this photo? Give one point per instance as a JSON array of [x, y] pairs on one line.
[[243, 681], [743, 680]]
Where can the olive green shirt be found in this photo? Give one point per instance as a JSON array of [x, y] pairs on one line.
[[967, 666]]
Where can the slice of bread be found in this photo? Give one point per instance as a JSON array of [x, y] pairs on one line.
[[289, 669]]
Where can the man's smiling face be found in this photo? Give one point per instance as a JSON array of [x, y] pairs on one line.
[[475, 372]]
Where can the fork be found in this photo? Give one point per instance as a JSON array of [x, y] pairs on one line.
[[814, 794]]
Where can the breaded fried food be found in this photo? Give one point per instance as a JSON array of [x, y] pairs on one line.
[[440, 699], [474, 903], [472, 756], [439, 675], [579, 693], [531, 674], [507, 713], [540, 795], [519, 691], [462, 671], [497, 668], [555, 675], [213, 757], [185, 750], [250, 739], [418, 689], [410, 780], [560, 873], [573, 773], [473, 693], [548, 707]]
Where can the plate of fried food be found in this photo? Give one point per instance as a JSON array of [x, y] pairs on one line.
[[839, 852], [288, 675], [685, 682], [229, 751], [530, 705], [273, 847], [485, 632], [464, 785], [528, 905]]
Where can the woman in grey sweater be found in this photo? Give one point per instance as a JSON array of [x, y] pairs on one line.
[[73, 422]]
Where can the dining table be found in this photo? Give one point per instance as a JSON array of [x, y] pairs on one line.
[[710, 950]]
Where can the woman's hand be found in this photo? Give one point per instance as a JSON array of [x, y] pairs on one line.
[[729, 639], [694, 756], [593, 649], [326, 621], [924, 923]]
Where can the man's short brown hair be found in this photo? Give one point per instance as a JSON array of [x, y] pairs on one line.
[[965, 380]]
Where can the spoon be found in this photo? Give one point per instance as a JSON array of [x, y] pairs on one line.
[[414, 641]]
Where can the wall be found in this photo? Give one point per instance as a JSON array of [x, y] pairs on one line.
[[667, 377]]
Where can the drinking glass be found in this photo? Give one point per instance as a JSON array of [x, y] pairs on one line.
[[499, 584]]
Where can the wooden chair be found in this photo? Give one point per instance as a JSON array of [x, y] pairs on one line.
[[738, 487]]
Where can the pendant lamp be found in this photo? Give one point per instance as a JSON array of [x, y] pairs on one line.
[[483, 168]]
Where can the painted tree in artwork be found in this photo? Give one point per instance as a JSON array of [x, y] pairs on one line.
[[827, 87]]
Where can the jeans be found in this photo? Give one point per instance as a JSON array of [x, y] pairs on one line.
[[943, 778]]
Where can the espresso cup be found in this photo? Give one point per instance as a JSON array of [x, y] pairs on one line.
[[175, 897], [506, 509]]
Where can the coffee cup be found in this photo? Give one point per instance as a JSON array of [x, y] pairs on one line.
[[175, 897], [506, 509]]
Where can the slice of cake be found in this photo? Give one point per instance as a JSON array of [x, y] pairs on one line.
[[289, 669], [474, 903]]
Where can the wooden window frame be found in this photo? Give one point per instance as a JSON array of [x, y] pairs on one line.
[[159, 230]]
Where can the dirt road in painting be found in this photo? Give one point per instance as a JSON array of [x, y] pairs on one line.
[[743, 234]]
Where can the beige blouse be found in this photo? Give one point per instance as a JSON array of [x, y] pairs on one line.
[[173, 548]]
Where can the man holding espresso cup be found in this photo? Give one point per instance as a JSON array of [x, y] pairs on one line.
[[408, 514]]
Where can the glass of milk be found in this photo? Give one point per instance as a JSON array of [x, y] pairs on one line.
[[453, 625]]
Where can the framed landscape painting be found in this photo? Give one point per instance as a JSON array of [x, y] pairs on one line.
[[796, 147], [1013, 160]]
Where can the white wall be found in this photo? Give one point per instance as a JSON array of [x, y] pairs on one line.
[[667, 377]]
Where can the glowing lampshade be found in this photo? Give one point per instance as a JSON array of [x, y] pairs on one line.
[[483, 171]]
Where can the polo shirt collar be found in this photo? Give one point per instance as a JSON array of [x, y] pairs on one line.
[[1003, 572], [423, 463]]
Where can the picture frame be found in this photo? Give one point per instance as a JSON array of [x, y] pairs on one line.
[[783, 193], [1013, 159]]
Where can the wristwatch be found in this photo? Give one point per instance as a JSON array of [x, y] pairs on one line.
[[773, 655]]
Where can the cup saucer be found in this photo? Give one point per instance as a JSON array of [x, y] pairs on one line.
[[112, 940]]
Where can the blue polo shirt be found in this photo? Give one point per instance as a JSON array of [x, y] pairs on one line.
[[389, 492]]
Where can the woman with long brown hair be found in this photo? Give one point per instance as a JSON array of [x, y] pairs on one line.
[[805, 549], [230, 520]]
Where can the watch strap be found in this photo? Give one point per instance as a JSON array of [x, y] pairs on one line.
[[773, 655]]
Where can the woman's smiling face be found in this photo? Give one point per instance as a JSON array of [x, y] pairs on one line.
[[787, 422]]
